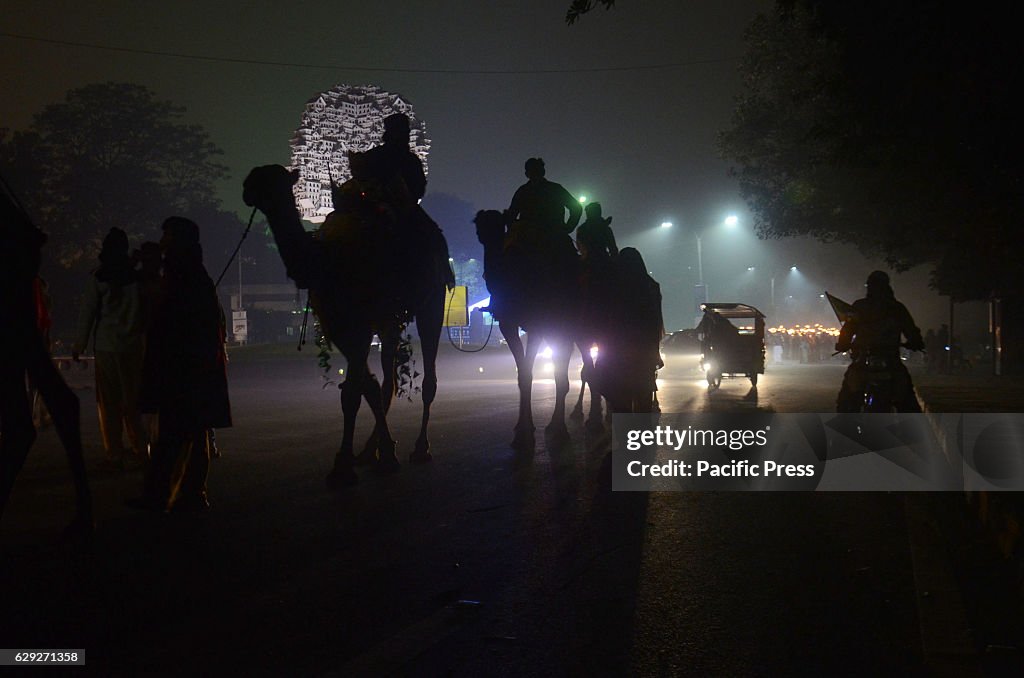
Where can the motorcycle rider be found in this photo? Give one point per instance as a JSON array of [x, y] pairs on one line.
[[874, 328]]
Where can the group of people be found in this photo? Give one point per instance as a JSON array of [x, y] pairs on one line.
[[813, 345], [156, 328], [158, 332], [621, 302]]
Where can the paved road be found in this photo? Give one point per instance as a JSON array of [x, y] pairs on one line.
[[474, 565]]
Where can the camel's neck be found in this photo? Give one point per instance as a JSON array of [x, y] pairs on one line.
[[493, 252], [299, 252]]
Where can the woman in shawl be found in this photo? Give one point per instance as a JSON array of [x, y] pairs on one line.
[[185, 378], [111, 318]]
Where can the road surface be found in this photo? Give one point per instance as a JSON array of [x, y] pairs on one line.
[[477, 564]]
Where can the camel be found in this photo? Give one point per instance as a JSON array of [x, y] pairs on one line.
[[541, 298], [364, 278]]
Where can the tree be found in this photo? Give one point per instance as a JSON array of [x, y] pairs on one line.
[[888, 127], [892, 127], [580, 7], [110, 154]]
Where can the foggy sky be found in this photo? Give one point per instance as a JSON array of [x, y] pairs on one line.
[[640, 141]]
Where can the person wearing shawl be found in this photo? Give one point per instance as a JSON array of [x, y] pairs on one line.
[[111, 319], [630, 347], [184, 375]]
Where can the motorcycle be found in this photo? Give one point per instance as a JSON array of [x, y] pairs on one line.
[[879, 380]]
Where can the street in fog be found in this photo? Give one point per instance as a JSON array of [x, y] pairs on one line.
[[476, 563]]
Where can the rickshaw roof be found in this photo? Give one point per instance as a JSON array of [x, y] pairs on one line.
[[731, 310]]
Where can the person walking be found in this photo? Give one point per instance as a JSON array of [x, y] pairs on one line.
[[185, 377], [112, 318]]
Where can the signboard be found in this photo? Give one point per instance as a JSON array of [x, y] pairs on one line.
[[456, 308], [239, 326]]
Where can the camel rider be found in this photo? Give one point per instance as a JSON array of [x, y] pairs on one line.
[[393, 160], [596, 244], [400, 172], [875, 327], [594, 237], [543, 203], [539, 235]]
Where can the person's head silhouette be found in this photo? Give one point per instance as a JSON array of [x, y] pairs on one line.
[[535, 168], [878, 284], [115, 246], [396, 129]]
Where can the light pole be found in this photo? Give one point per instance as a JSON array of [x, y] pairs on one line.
[[240, 277], [730, 222], [700, 267]]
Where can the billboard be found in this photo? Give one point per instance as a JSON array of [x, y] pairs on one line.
[[456, 308]]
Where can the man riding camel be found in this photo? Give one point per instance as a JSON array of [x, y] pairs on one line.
[[543, 203], [393, 160]]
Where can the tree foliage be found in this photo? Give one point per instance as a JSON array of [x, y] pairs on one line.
[[889, 126], [580, 7], [110, 154]]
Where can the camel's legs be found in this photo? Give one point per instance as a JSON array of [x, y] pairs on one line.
[[562, 351], [429, 318], [586, 378], [595, 416], [524, 358], [577, 411], [389, 339], [360, 382]]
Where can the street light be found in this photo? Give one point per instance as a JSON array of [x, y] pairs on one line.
[[666, 224], [730, 221]]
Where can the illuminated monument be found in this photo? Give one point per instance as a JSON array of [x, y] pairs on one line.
[[345, 118]]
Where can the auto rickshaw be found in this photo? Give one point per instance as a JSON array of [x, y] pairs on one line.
[[731, 341]]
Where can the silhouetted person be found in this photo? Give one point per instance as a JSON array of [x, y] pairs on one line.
[[630, 351], [393, 161], [875, 328], [594, 237], [184, 378], [542, 203], [112, 319], [539, 247], [23, 352], [596, 244], [421, 251]]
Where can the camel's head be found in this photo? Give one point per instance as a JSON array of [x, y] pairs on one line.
[[269, 187], [490, 227]]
